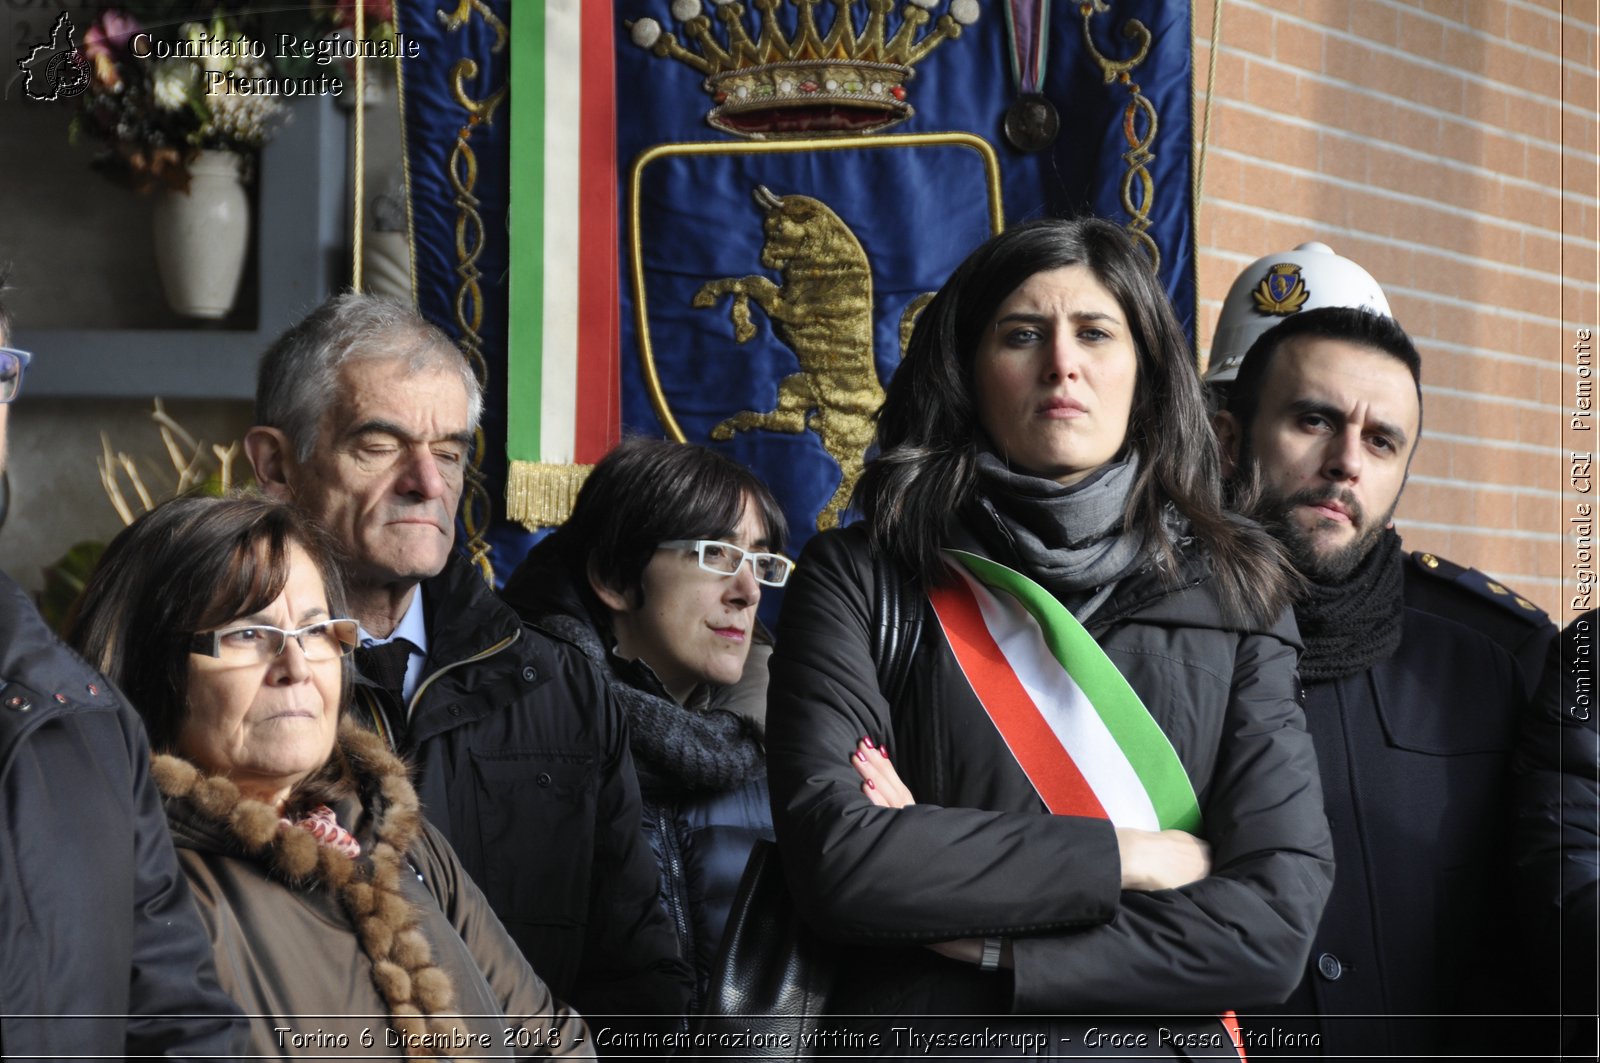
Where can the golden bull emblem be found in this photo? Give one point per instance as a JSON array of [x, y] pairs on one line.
[[822, 311], [820, 307]]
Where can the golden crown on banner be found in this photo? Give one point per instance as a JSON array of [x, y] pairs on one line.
[[779, 85]]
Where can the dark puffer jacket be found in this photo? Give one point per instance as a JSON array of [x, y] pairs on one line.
[[522, 763], [1557, 835], [702, 771], [978, 855], [95, 919]]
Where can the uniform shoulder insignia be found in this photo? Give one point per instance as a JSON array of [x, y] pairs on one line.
[[1478, 584]]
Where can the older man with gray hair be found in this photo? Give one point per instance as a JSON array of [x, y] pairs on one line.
[[365, 416]]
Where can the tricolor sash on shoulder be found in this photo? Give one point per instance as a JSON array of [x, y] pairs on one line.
[[1079, 731]]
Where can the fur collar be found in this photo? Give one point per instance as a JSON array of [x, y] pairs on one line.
[[419, 994]]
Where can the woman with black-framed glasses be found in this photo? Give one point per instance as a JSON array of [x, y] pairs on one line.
[[656, 576], [338, 917]]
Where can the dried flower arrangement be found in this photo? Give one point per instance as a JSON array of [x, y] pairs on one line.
[[164, 85]]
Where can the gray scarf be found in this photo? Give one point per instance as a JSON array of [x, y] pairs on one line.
[[1070, 539], [677, 749]]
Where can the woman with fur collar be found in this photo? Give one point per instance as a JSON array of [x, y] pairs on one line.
[[339, 919], [649, 576]]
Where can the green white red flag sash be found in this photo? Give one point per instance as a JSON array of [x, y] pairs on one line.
[[1079, 731]]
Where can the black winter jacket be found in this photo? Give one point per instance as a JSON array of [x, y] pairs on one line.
[[521, 757], [1415, 755], [979, 856], [1557, 835], [1439, 586], [95, 919], [704, 784]]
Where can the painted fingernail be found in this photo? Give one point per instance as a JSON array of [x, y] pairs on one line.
[[871, 785], [866, 740]]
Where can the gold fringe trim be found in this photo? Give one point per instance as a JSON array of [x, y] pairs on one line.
[[539, 495]]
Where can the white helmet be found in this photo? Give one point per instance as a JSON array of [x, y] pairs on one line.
[[1272, 288]]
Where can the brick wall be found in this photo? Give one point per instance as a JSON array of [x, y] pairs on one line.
[[1448, 146]]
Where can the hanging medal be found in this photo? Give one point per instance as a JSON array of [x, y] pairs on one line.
[[1031, 122]]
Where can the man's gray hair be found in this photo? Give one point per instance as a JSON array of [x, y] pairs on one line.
[[297, 381]]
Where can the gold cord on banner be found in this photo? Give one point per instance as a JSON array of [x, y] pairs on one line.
[[360, 176], [462, 172], [1138, 156], [405, 166], [470, 240], [1200, 163]]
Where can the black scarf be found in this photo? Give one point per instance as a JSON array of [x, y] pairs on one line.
[[1351, 625]]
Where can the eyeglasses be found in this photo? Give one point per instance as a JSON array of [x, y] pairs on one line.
[[724, 559], [12, 363], [325, 640]]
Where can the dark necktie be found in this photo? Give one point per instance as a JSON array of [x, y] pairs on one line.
[[385, 664]]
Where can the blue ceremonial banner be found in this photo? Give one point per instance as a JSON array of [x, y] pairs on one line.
[[454, 101], [796, 177], [791, 179]]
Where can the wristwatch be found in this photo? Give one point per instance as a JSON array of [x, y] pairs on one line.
[[991, 954]]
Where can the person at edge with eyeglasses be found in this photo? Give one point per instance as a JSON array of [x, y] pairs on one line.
[[656, 576], [104, 953]]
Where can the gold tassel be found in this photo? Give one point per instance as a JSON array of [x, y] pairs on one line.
[[539, 495]]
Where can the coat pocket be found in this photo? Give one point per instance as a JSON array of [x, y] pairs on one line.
[[536, 825], [1447, 706]]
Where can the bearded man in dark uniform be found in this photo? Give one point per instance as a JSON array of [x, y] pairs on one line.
[[1415, 710]]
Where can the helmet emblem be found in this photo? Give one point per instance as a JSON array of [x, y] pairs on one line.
[[1282, 291]]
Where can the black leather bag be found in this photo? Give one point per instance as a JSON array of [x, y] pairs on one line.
[[773, 974]]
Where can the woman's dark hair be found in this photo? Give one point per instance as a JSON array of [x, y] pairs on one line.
[[189, 566], [929, 435], [648, 491]]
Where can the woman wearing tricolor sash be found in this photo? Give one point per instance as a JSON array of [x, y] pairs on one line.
[[1091, 794]]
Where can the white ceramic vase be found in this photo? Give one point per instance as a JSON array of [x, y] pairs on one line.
[[201, 236]]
